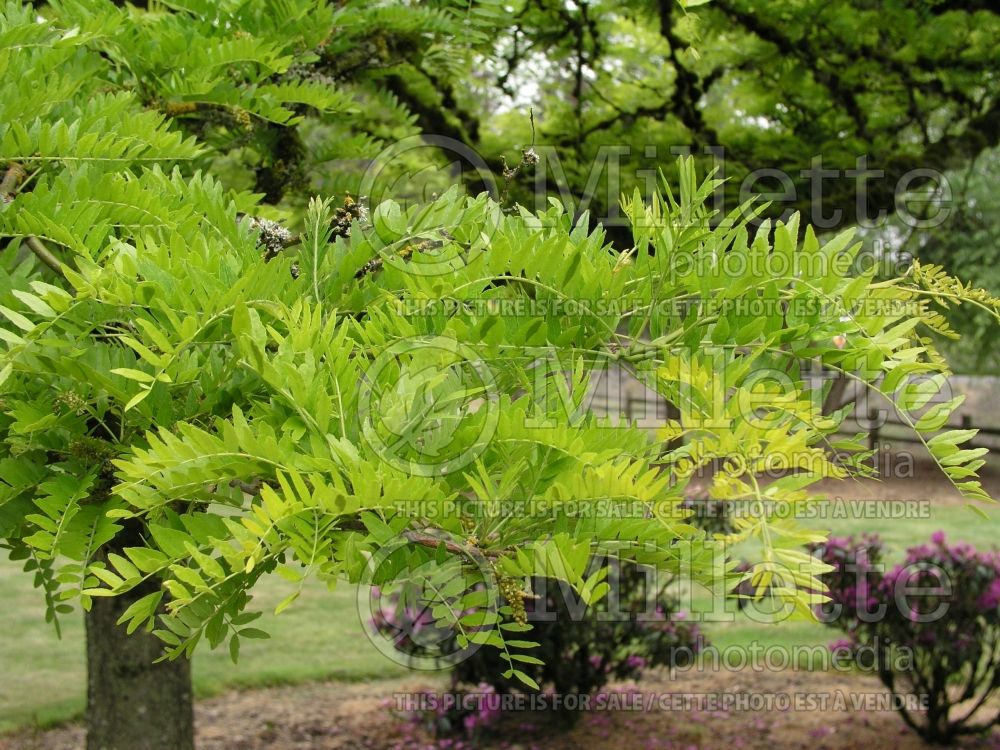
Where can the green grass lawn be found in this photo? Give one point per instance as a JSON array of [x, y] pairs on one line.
[[320, 637], [960, 524]]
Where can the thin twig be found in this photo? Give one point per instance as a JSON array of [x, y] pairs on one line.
[[427, 540], [528, 158], [44, 254], [12, 178]]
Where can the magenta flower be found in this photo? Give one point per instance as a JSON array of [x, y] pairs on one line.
[[635, 662], [841, 644], [991, 598]]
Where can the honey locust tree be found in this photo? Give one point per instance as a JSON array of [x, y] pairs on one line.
[[393, 399], [183, 417], [112, 116]]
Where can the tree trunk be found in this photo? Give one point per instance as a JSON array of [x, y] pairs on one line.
[[133, 703]]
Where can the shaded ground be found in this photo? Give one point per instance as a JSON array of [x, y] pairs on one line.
[[335, 716], [905, 479]]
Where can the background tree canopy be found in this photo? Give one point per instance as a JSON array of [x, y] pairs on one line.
[[907, 84], [965, 242]]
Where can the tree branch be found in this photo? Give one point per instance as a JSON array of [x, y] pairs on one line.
[[428, 540], [805, 54], [12, 179]]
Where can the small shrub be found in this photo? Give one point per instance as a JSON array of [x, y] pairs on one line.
[[931, 625], [858, 563], [409, 626], [635, 627], [585, 648]]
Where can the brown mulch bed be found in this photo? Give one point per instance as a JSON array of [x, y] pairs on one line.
[[336, 716]]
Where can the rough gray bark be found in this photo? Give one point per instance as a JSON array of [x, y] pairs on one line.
[[132, 703]]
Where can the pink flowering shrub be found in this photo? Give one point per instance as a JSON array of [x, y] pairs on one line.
[[931, 626], [580, 650], [408, 623], [857, 569]]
